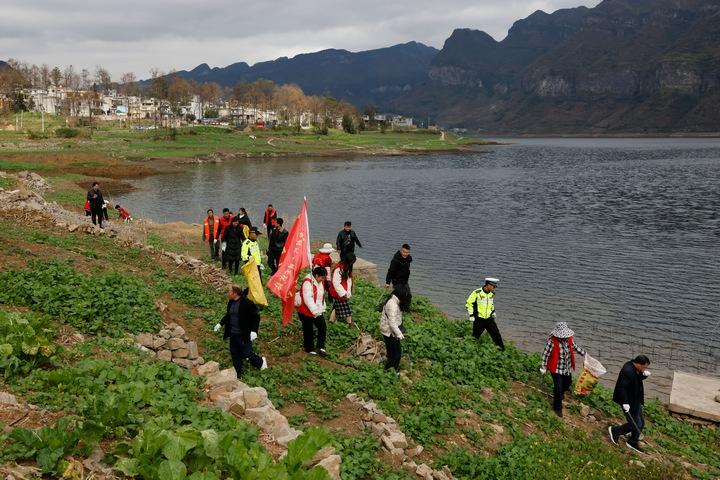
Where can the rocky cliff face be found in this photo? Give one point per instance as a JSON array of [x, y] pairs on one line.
[[625, 65]]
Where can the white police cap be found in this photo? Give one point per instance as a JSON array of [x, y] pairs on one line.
[[492, 281]]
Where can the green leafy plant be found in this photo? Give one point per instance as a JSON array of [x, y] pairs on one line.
[[25, 343]]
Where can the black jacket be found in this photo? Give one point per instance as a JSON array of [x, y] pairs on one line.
[[233, 238], [244, 220], [399, 271], [346, 241], [96, 200], [248, 318], [629, 387], [277, 240]]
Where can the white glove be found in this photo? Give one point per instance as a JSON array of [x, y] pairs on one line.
[[223, 245], [253, 336], [400, 336], [493, 316], [264, 226], [647, 373], [215, 241], [216, 328], [262, 268], [471, 318], [626, 408], [543, 370]]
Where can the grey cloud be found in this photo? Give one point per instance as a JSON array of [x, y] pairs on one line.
[[135, 35]]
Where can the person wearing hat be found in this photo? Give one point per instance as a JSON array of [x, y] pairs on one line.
[[559, 359], [310, 305], [481, 311], [251, 248], [322, 257]]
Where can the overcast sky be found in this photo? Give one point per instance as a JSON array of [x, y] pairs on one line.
[[135, 35]]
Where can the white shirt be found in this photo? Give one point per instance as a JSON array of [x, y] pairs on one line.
[[316, 306], [337, 284]]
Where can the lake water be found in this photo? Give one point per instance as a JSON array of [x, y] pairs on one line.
[[618, 237]]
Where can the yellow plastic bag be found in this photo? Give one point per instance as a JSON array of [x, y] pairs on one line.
[[592, 370], [256, 293]]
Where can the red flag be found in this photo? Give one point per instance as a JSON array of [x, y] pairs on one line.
[[295, 256]]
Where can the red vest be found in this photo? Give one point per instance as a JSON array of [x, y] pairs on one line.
[[303, 309], [224, 223], [343, 281], [215, 229], [555, 354]]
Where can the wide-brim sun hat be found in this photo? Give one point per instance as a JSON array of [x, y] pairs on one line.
[[562, 330], [326, 248]]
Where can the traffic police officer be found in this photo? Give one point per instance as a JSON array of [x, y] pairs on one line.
[[481, 311]]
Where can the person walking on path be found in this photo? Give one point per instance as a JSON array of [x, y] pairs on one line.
[[270, 219], [251, 248], [399, 271], [341, 289], [96, 200], [322, 257], [630, 395], [559, 359], [481, 311], [346, 240], [241, 322], [311, 310], [276, 244], [391, 325], [232, 241], [211, 233]]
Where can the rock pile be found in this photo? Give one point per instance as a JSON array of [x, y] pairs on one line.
[[33, 181], [396, 449], [172, 345], [367, 348], [252, 404]]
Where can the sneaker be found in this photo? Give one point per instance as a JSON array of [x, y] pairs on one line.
[[636, 447], [313, 352], [613, 438], [264, 364], [323, 352]]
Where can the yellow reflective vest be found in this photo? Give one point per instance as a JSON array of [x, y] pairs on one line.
[[250, 248], [480, 303]]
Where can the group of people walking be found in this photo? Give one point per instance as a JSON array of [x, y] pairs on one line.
[[96, 207], [330, 282]]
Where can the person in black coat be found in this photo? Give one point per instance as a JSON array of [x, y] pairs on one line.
[[276, 244], [241, 322], [346, 241], [232, 239], [630, 395], [96, 200], [399, 271]]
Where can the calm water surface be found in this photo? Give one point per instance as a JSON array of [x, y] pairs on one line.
[[618, 237]]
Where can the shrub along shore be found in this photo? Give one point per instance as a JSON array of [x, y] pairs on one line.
[[482, 412]]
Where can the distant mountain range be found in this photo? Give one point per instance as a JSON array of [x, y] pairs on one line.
[[3, 65], [373, 76], [640, 66]]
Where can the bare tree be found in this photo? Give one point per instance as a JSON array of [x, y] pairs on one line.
[[56, 76], [102, 78], [85, 79], [71, 79], [128, 84], [44, 75]]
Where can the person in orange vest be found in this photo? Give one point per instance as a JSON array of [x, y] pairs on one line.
[[558, 358], [310, 304], [270, 219], [211, 233]]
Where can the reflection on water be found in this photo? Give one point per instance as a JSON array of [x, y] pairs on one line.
[[618, 237]]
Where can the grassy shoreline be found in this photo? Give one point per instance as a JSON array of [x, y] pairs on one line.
[[484, 413]]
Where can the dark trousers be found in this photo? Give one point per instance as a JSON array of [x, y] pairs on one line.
[[214, 248], [309, 335], [561, 384], [97, 217], [273, 260], [628, 427], [239, 351], [394, 351], [233, 265], [482, 324], [342, 259]]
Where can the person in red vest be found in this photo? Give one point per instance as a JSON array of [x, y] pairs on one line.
[[211, 233], [225, 221], [341, 289], [310, 305], [270, 219], [123, 214], [559, 359], [322, 257], [87, 208]]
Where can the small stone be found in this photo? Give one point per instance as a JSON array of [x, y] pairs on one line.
[[398, 439], [171, 326], [424, 472], [225, 402], [7, 399], [164, 355], [192, 350], [415, 451], [332, 465], [379, 418], [378, 429], [584, 410], [165, 333], [208, 368], [410, 467], [178, 332], [180, 353], [227, 376], [72, 228], [145, 339], [447, 472], [591, 419], [393, 460], [257, 414], [255, 397], [320, 455], [352, 397], [158, 342], [183, 362], [497, 428], [387, 443], [439, 475], [160, 306], [289, 437], [176, 344], [217, 392]]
